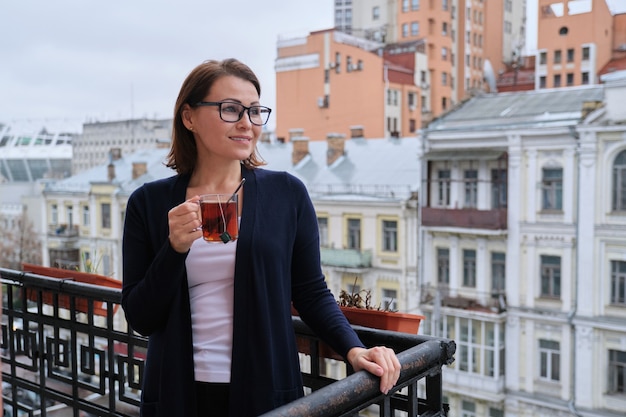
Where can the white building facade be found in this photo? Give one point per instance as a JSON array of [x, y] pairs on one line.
[[552, 274]]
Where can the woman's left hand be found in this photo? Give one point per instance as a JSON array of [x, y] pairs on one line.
[[380, 361]]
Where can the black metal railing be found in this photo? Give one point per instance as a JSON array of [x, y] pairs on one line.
[[67, 351]]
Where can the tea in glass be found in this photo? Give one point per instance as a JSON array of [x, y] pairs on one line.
[[220, 221]]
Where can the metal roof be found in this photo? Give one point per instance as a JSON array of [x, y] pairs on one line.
[[526, 109], [369, 168]]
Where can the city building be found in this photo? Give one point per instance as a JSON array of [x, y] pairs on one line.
[[365, 193], [92, 148], [523, 235], [467, 41], [31, 152], [330, 81], [567, 56]]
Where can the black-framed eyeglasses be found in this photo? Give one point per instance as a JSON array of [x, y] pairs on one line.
[[232, 112]]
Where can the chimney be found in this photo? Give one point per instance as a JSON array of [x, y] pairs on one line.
[[139, 168], [300, 149], [356, 132], [336, 147], [295, 133], [110, 172]]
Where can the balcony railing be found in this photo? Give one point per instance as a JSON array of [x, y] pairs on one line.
[[495, 219], [63, 230], [59, 359], [347, 258]]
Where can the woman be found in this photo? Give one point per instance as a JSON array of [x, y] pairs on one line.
[[218, 316]]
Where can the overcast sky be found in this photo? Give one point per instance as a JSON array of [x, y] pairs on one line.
[[79, 60], [72, 61]]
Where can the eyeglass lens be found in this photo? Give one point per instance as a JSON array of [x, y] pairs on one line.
[[233, 112]]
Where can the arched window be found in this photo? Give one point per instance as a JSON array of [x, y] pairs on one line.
[[619, 182]]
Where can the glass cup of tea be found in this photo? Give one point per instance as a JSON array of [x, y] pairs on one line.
[[220, 221]]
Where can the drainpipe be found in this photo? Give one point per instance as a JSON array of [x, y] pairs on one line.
[[571, 404]]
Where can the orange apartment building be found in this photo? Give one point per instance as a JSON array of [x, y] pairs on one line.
[[575, 41], [415, 60], [331, 83]]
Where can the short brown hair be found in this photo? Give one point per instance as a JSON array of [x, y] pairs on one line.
[[182, 155]]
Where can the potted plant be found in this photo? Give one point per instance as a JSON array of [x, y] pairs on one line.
[[81, 304], [358, 309]]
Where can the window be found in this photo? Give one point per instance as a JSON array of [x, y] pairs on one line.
[[443, 265], [411, 100], [415, 4], [570, 55], [390, 299], [569, 79], [557, 56], [543, 58], [405, 30], [444, 56], [618, 282], [542, 81], [354, 234], [617, 372], [495, 412], [86, 217], [471, 188], [69, 210], [405, 6], [390, 236], [549, 356], [585, 53], [498, 188], [619, 182], [54, 214], [498, 272], [552, 189], [585, 78], [106, 215], [557, 80], [322, 224], [444, 187], [415, 28], [469, 268], [550, 276], [375, 13], [468, 408], [444, 28]]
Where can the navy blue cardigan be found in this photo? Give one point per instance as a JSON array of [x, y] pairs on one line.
[[277, 262]]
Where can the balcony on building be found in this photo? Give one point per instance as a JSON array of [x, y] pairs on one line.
[[346, 258], [465, 189]]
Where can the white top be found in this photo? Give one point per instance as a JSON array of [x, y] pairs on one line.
[[210, 274]]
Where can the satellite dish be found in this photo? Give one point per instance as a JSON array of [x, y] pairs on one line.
[[490, 76]]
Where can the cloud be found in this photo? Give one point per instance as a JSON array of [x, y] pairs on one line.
[[115, 59]]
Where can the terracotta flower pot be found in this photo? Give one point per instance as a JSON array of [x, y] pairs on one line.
[[376, 319], [384, 320], [64, 300]]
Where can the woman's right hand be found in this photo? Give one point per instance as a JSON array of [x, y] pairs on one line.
[[184, 223]]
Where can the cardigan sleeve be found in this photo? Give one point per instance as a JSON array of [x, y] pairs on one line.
[[311, 296], [153, 271]]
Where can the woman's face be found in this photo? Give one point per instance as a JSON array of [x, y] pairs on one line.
[[219, 139]]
